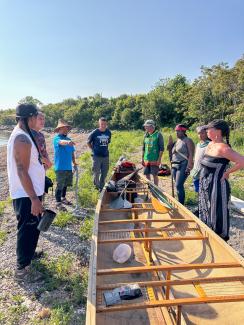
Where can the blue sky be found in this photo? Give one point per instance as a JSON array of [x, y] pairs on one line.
[[57, 49]]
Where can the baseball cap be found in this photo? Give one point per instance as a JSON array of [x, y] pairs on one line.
[[149, 123], [26, 110]]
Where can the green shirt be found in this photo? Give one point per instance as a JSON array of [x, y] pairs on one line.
[[153, 144]]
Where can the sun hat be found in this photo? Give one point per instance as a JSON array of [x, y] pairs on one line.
[[26, 110], [61, 124], [122, 253], [149, 123]]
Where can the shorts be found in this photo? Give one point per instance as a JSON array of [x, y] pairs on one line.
[[64, 178], [151, 170]]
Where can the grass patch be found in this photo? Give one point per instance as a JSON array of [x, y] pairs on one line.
[[62, 273], [86, 229], [2, 207], [237, 187], [3, 236], [63, 219], [51, 174], [88, 194]]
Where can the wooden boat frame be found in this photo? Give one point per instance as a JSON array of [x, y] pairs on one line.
[[171, 306]]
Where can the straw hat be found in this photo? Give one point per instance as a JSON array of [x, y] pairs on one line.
[[122, 253], [61, 124]]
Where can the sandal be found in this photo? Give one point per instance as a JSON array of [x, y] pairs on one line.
[[60, 207], [65, 201]]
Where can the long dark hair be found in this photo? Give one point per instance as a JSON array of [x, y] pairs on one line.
[[223, 127], [25, 121]]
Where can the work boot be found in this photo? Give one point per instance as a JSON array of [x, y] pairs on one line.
[[27, 274]]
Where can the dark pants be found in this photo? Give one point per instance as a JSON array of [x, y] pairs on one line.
[[180, 176], [100, 168], [60, 193], [64, 179], [27, 232]]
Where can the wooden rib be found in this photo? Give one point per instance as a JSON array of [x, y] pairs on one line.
[[107, 222], [178, 316], [142, 269], [162, 283], [144, 239], [147, 230], [172, 302], [128, 210]]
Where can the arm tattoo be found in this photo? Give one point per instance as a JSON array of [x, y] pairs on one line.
[[22, 138]]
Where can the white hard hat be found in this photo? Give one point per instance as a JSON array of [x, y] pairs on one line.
[[122, 253]]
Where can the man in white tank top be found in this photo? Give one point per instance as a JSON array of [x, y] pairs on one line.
[[26, 176]]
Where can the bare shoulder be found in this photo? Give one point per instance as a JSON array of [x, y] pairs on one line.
[[223, 148], [22, 139]]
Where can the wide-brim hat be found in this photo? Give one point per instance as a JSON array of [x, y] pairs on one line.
[[61, 124], [149, 123]]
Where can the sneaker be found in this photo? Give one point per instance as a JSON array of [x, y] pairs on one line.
[[60, 207], [27, 274], [66, 202]]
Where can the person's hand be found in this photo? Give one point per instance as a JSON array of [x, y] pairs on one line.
[[158, 162], [71, 143], [143, 163], [46, 162], [225, 176], [75, 166], [36, 206]]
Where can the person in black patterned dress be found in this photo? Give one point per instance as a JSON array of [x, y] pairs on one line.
[[214, 191]]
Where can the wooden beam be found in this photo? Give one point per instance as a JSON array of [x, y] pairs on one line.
[[163, 283], [107, 222], [128, 210], [144, 239], [143, 269], [172, 302], [136, 230]]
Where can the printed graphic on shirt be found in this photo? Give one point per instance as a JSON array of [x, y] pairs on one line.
[[104, 140]]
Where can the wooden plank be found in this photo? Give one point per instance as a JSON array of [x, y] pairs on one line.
[[107, 222], [128, 210], [144, 239], [136, 230], [172, 302], [162, 283], [142, 269]]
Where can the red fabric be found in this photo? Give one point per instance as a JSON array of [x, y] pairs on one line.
[[127, 164], [151, 163], [180, 128]]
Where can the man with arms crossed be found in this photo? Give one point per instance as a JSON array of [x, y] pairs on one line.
[[98, 141], [26, 176]]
